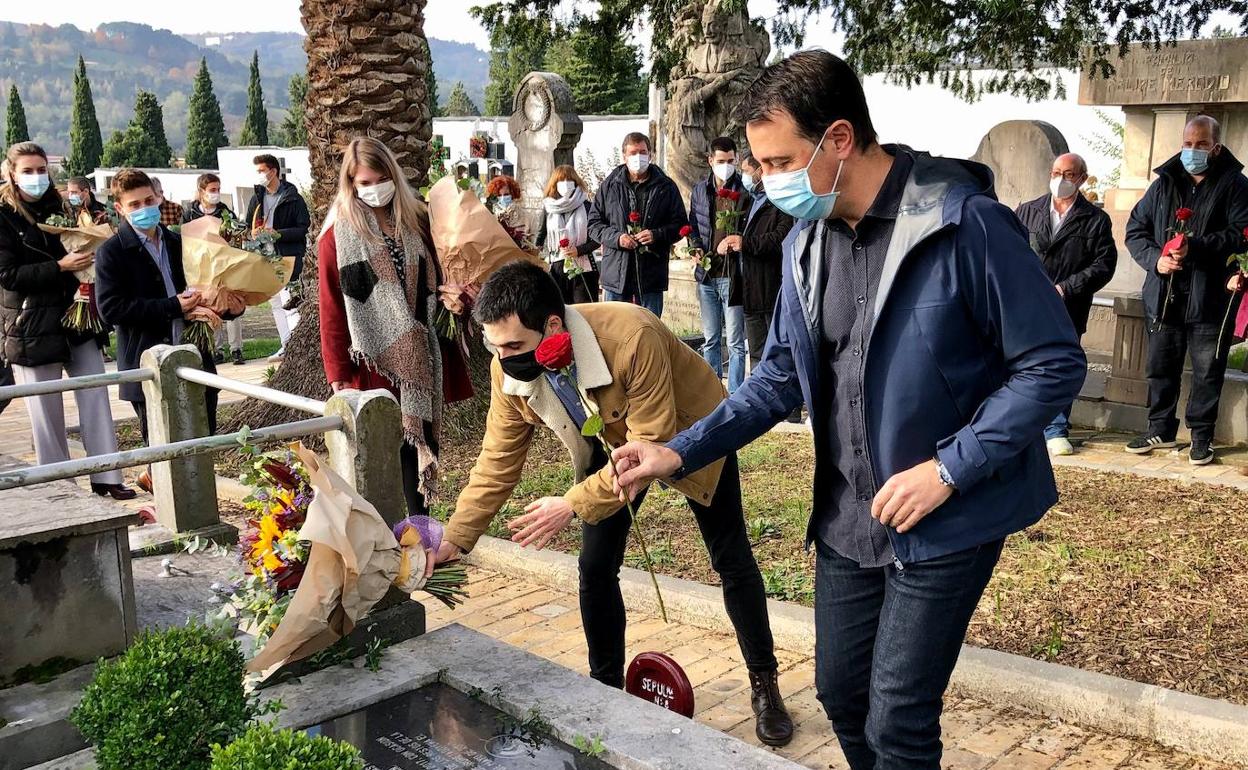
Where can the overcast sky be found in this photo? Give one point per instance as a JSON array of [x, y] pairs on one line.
[[444, 19]]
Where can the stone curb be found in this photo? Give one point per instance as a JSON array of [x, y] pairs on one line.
[[1210, 728]]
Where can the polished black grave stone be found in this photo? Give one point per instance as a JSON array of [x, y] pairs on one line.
[[438, 727]]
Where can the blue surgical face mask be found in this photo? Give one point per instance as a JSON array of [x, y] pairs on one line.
[[1194, 160], [747, 181], [34, 185], [504, 200], [790, 191], [145, 218], [75, 199]]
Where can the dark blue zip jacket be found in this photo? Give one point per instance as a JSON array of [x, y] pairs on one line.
[[971, 355], [663, 214], [702, 219]]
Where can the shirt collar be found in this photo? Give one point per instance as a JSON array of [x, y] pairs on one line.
[[888, 199]]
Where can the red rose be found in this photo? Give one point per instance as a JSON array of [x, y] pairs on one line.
[[686, 230], [634, 217], [723, 192], [1183, 214], [1246, 233], [555, 352], [734, 195], [564, 243]]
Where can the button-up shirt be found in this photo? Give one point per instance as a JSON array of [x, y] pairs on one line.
[[1055, 217], [853, 263], [160, 255], [568, 396]]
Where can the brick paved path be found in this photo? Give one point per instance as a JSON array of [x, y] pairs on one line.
[[977, 735]]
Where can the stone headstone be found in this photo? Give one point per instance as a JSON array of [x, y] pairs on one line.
[[1192, 72], [657, 678], [545, 127], [1020, 154]]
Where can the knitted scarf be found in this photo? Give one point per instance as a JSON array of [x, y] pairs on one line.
[[385, 333]]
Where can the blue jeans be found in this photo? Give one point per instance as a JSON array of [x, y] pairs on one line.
[[652, 301], [1060, 427], [713, 298], [886, 641]]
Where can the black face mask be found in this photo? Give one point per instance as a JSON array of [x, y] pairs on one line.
[[523, 366]]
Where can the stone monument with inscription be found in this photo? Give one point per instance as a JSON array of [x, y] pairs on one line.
[[545, 127]]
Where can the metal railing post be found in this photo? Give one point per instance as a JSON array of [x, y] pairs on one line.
[[366, 451], [185, 488]]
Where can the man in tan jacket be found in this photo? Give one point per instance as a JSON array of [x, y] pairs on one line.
[[647, 385]]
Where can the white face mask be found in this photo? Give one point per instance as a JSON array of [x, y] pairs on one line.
[[724, 171], [376, 195], [747, 181], [34, 185], [565, 188], [212, 198], [262, 178], [1062, 188], [638, 163]]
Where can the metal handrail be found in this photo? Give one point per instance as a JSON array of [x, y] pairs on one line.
[[68, 384], [42, 474], [281, 398]]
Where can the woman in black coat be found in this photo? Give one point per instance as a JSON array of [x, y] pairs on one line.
[[37, 285]]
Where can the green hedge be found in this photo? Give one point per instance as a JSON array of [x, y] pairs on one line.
[[264, 748]]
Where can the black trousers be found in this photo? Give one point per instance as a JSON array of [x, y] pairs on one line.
[[757, 325], [1168, 346], [410, 463], [723, 530], [576, 291], [210, 401]]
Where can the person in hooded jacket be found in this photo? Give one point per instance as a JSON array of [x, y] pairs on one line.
[[637, 216], [37, 285], [931, 350], [1185, 288]]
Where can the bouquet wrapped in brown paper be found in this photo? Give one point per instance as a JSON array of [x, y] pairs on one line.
[[229, 277], [353, 559], [470, 242], [83, 236]]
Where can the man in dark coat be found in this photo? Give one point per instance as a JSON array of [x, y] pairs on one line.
[[1185, 294], [762, 252], [277, 205], [719, 286], [1075, 242], [141, 289], [637, 216]]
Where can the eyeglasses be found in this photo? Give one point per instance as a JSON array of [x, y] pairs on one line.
[[1069, 176]]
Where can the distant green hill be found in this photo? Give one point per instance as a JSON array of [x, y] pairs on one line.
[[123, 57]]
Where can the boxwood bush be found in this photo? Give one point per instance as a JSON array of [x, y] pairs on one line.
[[263, 748], [165, 702]]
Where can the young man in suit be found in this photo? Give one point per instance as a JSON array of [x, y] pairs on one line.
[[141, 289], [644, 383]]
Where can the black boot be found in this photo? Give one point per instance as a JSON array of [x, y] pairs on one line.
[[773, 725]]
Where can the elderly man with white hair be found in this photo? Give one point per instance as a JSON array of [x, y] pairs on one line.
[[1075, 241]]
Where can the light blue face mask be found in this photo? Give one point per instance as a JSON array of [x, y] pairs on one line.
[[1194, 160], [747, 181], [504, 200], [34, 185], [75, 199], [145, 218], [791, 192]]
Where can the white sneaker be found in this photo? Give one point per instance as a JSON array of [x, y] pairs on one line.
[[1060, 447], [278, 357]]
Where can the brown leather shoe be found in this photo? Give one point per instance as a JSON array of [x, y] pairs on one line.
[[773, 725], [145, 481]]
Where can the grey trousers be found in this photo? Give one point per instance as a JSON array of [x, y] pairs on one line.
[[233, 333], [47, 413]]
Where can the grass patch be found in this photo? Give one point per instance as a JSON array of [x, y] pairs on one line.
[[1132, 577], [1238, 357], [262, 347]]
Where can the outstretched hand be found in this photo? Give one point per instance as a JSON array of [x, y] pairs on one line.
[[638, 463]]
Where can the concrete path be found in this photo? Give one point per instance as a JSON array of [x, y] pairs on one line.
[[977, 735]]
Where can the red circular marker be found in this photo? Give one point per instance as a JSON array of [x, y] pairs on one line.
[[657, 678]]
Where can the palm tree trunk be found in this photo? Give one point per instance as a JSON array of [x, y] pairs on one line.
[[367, 61]]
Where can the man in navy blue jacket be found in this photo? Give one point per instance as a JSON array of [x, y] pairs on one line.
[[931, 351]]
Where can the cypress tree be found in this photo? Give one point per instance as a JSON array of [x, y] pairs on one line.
[[459, 104], [86, 145], [293, 132], [256, 126], [205, 128], [16, 121], [142, 144]]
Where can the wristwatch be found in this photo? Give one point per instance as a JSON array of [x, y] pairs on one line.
[[945, 477]]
